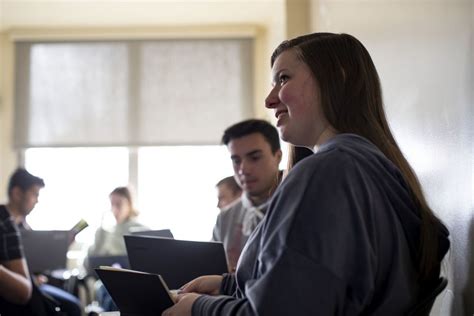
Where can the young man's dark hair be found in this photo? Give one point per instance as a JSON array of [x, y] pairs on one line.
[[251, 126], [23, 180]]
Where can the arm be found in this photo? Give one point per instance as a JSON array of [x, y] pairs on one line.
[[96, 248], [228, 284], [294, 285], [15, 282], [207, 284], [211, 285]]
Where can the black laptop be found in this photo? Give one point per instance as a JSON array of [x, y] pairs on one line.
[[154, 233], [95, 262], [45, 250], [136, 293], [177, 261]]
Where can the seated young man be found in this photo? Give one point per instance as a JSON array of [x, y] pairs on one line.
[[255, 153], [23, 193], [15, 283]]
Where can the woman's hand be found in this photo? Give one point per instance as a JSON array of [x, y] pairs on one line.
[[207, 284], [183, 306]]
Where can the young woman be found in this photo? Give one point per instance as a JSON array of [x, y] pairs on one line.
[[349, 231], [110, 242]]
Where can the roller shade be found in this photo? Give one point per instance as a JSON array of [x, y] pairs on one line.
[[130, 93]]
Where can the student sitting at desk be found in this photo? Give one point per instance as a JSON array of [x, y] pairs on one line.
[[109, 242], [15, 284], [23, 192], [255, 154]]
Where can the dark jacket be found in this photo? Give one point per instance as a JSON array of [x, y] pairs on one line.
[[340, 238]]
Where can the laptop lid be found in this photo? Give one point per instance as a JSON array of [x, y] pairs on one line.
[[45, 250], [95, 262], [154, 233], [136, 293], [177, 261]]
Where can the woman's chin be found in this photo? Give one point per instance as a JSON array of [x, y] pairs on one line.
[[286, 136], [283, 133]]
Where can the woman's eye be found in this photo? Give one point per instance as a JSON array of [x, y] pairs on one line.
[[283, 79]]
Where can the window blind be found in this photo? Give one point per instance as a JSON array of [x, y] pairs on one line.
[[130, 93]]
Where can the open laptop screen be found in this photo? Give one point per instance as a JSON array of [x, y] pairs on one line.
[[45, 250], [95, 262], [177, 261]]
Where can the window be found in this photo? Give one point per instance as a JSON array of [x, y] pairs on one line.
[[94, 115], [177, 188], [131, 93], [78, 181]]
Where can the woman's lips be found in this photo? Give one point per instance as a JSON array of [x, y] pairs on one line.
[[280, 112], [280, 115]]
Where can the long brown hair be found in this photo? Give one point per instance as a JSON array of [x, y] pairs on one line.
[[295, 155], [351, 98]]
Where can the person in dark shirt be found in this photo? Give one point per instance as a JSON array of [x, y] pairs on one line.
[[23, 192], [348, 232], [15, 283], [16, 287]]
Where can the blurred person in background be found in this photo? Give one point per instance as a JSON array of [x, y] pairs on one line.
[[109, 240], [228, 192]]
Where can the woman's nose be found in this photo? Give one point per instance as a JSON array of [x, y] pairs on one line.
[[272, 100]]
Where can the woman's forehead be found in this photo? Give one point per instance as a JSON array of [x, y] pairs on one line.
[[287, 58]]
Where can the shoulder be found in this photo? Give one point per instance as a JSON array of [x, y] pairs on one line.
[[7, 224], [9, 237], [100, 233], [235, 209], [348, 146], [4, 213], [133, 224], [335, 184], [346, 156]]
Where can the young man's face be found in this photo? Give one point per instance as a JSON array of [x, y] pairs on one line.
[[255, 166], [26, 200]]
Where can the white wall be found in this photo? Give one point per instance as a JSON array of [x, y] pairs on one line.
[[423, 51]]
